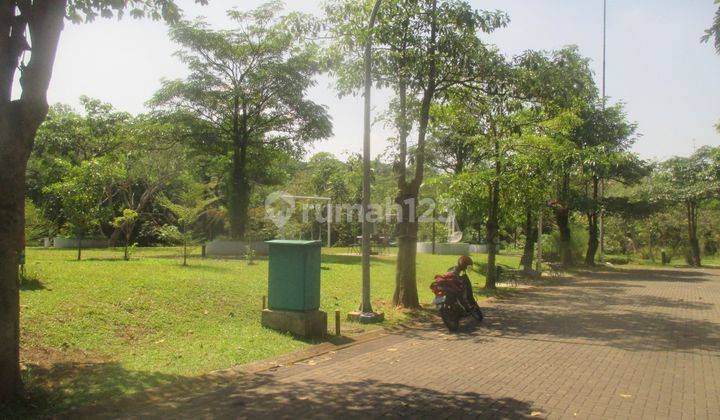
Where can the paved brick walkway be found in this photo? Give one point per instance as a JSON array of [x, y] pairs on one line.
[[635, 344]]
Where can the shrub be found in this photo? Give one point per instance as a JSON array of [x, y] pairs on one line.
[[578, 244]]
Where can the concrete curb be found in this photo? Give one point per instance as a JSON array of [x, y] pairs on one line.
[[305, 354]]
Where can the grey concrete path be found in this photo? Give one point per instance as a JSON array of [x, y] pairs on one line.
[[640, 344]]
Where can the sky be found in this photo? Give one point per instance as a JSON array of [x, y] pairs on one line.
[[656, 65]]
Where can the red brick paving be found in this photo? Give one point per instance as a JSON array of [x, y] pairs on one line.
[[641, 344]]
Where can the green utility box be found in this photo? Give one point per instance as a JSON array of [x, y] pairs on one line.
[[294, 275]]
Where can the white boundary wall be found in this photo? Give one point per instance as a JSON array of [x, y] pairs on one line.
[[70, 243], [451, 249], [234, 248], [478, 249], [443, 248]]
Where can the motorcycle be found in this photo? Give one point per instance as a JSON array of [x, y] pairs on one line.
[[449, 292]]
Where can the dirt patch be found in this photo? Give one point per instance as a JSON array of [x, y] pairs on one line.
[[51, 363]]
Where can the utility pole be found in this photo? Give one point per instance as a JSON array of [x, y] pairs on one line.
[[366, 313], [433, 229], [329, 223], [602, 180]]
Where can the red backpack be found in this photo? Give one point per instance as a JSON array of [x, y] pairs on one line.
[[446, 283]]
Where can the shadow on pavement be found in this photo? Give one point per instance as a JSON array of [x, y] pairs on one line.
[[264, 397], [614, 309]]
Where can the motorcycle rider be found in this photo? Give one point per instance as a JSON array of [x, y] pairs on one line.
[[460, 270]]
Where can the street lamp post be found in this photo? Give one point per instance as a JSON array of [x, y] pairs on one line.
[[602, 181], [366, 313]]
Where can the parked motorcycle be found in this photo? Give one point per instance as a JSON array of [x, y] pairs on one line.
[[449, 290]]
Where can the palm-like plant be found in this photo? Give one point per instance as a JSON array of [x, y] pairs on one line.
[[189, 206]]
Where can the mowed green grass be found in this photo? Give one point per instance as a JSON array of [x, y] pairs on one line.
[[104, 327], [708, 261]]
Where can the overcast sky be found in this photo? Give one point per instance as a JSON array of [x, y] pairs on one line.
[[669, 82]]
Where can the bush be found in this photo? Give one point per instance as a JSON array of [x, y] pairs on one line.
[[618, 260], [169, 235], [578, 244], [36, 225], [711, 247]]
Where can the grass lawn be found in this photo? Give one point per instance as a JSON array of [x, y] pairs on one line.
[[677, 262], [104, 327]]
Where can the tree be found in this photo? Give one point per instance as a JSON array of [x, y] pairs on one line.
[[713, 33], [496, 112], [689, 181], [565, 84], [422, 49], [83, 192], [148, 163], [65, 140], [529, 184], [514, 98], [188, 209], [602, 139], [29, 36], [250, 85], [452, 128], [125, 225]]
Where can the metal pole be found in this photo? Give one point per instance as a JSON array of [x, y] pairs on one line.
[[601, 217], [366, 306], [329, 222], [337, 322], [433, 230], [604, 50]]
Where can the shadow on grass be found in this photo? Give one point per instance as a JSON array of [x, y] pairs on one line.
[[353, 260], [67, 385], [29, 282], [204, 268], [105, 259]]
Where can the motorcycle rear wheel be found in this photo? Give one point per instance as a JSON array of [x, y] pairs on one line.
[[450, 318]]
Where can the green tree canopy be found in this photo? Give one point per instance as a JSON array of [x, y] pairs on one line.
[[250, 85], [713, 33]]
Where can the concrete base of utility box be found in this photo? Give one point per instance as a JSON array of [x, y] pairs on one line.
[[309, 324], [366, 318]]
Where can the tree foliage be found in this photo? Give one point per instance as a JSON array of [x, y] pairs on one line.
[[713, 33], [249, 85]]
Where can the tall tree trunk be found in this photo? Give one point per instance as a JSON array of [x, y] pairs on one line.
[[79, 249], [18, 124], [240, 188], [592, 216], [406, 294], [240, 200], [492, 230], [695, 260], [12, 202], [531, 234], [405, 276], [19, 121], [493, 222], [562, 217]]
